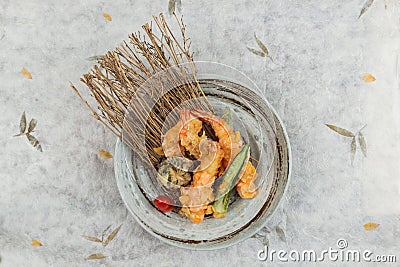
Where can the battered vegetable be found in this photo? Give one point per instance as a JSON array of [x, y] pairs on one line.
[[220, 206], [172, 177]]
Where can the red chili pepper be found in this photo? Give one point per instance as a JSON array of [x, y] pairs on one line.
[[163, 203]]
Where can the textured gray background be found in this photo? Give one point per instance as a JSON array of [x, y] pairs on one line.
[[320, 50]]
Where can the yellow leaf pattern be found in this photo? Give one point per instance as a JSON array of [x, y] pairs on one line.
[[370, 226], [36, 243], [104, 154], [107, 16], [96, 256], [368, 78], [26, 73]]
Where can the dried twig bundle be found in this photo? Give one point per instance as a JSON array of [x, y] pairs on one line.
[[115, 81]]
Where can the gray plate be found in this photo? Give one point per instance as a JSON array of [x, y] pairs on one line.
[[269, 142]]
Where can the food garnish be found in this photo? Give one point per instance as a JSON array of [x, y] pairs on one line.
[[163, 203]]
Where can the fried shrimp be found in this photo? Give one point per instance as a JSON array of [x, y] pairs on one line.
[[229, 140], [210, 161], [189, 134], [170, 143], [196, 198], [246, 187]]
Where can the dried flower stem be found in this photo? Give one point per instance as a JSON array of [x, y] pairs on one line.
[[113, 83]]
